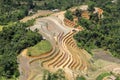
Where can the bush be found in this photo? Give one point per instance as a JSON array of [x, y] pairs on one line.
[[80, 78], [69, 15], [101, 76]]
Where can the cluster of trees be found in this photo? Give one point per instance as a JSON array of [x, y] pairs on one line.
[[58, 75], [13, 39], [69, 15], [58, 4], [104, 32], [13, 10]]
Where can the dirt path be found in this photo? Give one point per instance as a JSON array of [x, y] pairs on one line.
[[39, 13]]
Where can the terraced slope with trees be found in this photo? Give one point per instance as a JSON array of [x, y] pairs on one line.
[[14, 10], [65, 57], [101, 32], [60, 57]]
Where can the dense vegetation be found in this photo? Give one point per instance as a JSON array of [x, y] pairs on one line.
[[13, 10], [58, 4], [101, 32], [58, 75], [101, 76], [13, 39], [69, 15]]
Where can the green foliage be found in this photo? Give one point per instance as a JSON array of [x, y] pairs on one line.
[[59, 4], [94, 18], [40, 48], [29, 22], [69, 15], [101, 76], [59, 75], [85, 23], [80, 78], [14, 10], [118, 78], [78, 12], [101, 33], [91, 6], [13, 39]]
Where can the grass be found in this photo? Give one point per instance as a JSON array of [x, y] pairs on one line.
[[101, 76], [1, 28], [42, 47]]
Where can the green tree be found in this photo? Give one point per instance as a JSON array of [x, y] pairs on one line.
[[13, 39], [69, 15], [78, 13]]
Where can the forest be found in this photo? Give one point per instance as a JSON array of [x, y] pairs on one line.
[[101, 33], [13, 10], [13, 39]]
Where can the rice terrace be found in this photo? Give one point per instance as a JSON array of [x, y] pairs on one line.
[[51, 41]]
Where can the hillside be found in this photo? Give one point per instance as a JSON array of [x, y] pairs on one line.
[[14, 10], [59, 39], [101, 31]]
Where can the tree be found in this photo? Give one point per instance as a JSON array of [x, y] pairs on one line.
[[69, 15], [78, 13], [13, 39], [91, 7]]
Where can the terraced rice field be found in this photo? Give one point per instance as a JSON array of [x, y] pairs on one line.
[[64, 54]]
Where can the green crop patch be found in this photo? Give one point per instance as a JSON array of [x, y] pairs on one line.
[[42, 47]]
